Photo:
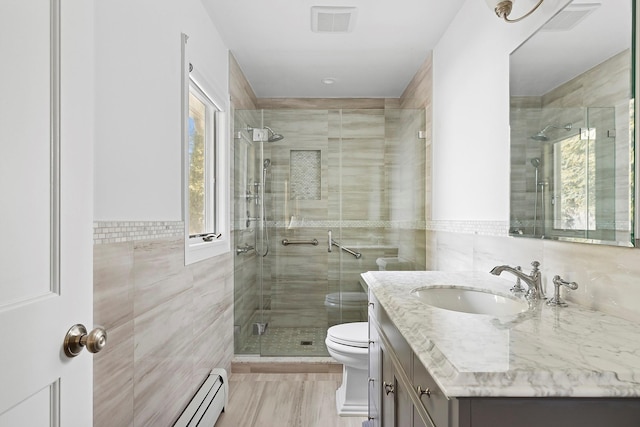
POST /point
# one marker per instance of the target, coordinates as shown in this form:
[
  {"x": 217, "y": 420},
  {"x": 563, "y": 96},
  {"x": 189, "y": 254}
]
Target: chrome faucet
[{"x": 532, "y": 280}]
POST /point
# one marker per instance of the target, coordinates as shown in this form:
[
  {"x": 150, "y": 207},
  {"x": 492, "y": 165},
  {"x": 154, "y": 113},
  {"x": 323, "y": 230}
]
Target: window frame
[{"x": 217, "y": 242}]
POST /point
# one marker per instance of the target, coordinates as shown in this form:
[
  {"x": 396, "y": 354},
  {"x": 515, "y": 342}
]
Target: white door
[{"x": 46, "y": 197}]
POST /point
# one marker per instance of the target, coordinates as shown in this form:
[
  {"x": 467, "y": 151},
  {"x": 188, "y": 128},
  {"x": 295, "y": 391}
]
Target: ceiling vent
[
  {"x": 570, "y": 16},
  {"x": 325, "y": 19}
]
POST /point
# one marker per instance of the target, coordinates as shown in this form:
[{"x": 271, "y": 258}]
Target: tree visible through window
[
  {"x": 575, "y": 178},
  {"x": 201, "y": 151},
  {"x": 197, "y": 165}
]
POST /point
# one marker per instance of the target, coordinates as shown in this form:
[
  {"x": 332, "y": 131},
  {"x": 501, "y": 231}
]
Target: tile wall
[{"x": 168, "y": 324}]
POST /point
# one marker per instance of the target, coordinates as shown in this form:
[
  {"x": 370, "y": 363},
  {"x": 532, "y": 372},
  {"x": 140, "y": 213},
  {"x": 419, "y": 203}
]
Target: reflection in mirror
[{"x": 572, "y": 127}]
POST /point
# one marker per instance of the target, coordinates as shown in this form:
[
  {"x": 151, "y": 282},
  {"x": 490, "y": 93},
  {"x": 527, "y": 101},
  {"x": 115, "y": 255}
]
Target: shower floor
[{"x": 287, "y": 342}]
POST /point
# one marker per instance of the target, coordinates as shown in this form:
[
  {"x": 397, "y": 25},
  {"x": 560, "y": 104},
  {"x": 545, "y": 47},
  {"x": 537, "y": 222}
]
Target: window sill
[{"x": 199, "y": 251}]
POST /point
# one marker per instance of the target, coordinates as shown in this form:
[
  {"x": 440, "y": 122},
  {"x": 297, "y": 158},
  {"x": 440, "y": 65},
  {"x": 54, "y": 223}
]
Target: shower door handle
[{"x": 329, "y": 241}]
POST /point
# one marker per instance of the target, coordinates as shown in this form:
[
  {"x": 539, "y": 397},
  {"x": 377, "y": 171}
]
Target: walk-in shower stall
[{"x": 320, "y": 196}]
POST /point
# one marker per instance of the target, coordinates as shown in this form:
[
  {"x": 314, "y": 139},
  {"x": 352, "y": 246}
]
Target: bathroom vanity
[{"x": 545, "y": 366}]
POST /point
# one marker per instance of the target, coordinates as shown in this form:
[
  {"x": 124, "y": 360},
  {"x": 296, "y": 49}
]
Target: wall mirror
[{"x": 572, "y": 127}]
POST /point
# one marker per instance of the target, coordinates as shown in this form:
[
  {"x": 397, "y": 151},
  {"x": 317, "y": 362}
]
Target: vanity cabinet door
[
  {"x": 375, "y": 375},
  {"x": 417, "y": 421},
  {"x": 388, "y": 401},
  {"x": 397, "y": 407},
  {"x": 403, "y": 406},
  {"x": 431, "y": 397}
]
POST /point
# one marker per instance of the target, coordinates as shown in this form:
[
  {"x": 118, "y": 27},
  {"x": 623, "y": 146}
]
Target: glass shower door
[
  {"x": 584, "y": 197},
  {"x": 355, "y": 174}
]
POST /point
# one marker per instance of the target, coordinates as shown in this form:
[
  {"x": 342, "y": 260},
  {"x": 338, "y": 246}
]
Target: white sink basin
[{"x": 472, "y": 301}]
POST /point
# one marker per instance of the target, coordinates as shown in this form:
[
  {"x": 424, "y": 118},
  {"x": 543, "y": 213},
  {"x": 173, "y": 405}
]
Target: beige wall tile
[
  {"x": 113, "y": 286},
  {"x": 155, "y": 260},
  {"x": 240, "y": 90},
  {"x": 151, "y": 367},
  {"x": 113, "y": 372}
]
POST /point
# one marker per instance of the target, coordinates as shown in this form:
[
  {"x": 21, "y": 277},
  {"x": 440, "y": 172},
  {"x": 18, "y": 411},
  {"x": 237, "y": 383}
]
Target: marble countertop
[{"x": 545, "y": 351}]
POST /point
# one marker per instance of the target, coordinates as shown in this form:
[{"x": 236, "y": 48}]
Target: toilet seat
[{"x": 350, "y": 334}]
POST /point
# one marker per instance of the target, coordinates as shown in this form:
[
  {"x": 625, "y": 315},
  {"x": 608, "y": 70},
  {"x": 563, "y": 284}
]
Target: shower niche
[
  {"x": 572, "y": 129},
  {"x": 306, "y": 174}
]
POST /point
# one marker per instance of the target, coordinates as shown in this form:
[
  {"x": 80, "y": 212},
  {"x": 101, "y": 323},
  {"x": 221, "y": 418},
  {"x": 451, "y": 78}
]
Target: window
[
  {"x": 205, "y": 196},
  {"x": 575, "y": 175},
  {"x": 202, "y": 166}
]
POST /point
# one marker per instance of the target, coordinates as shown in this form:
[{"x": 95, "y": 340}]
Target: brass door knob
[{"x": 77, "y": 338}]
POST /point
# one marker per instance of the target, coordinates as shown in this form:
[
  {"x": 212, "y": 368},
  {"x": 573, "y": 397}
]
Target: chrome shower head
[
  {"x": 542, "y": 135},
  {"x": 266, "y": 163},
  {"x": 258, "y": 134},
  {"x": 535, "y": 162},
  {"x": 273, "y": 137}
]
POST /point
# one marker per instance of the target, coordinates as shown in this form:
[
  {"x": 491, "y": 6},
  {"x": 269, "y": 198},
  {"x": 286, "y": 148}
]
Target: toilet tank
[{"x": 394, "y": 264}]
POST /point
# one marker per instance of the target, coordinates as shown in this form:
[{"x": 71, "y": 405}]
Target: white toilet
[{"x": 348, "y": 344}]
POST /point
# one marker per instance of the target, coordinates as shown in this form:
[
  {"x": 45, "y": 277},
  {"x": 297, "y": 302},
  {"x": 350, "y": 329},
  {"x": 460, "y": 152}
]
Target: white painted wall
[
  {"x": 471, "y": 112},
  {"x": 138, "y": 146}
]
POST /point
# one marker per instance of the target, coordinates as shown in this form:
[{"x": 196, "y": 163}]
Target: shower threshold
[{"x": 286, "y": 342}]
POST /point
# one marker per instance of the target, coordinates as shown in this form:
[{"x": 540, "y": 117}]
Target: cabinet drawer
[{"x": 435, "y": 402}]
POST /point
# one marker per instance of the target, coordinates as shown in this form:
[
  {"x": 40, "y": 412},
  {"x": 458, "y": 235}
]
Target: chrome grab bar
[
  {"x": 358, "y": 255},
  {"x": 287, "y": 242},
  {"x": 244, "y": 249}
]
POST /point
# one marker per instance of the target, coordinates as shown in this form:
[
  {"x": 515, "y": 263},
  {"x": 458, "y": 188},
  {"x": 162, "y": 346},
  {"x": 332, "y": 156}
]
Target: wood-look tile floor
[{"x": 284, "y": 400}]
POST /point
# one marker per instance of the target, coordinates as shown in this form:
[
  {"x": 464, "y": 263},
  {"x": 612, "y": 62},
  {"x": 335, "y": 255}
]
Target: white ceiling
[{"x": 281, "y": 57}]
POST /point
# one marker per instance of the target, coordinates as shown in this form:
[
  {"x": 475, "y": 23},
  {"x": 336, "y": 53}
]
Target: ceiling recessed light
[{"x": 328, "y": 80}]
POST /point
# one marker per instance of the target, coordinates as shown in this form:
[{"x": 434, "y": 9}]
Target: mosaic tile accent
[
  {"x": 131, "y": 231},
  {"x": 305, "y": 174},
  {"x": 310, "y": 223},
  {"x": 486, "y": 228}
]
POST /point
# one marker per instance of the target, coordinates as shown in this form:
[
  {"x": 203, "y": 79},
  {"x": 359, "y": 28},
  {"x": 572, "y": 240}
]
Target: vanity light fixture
[{"x": 502, "y": 8}]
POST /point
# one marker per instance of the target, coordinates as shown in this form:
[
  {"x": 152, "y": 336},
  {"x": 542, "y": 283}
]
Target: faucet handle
[
  {"x": 517, "y": 288},
  {"x": 556, "y": 301},
  {"x": 535, "y": 265}
]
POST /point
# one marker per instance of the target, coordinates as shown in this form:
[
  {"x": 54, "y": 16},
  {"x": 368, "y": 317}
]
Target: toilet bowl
[{"x": 348, "y": 344}]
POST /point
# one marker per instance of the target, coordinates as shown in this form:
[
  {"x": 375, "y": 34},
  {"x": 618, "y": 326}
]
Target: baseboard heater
[{"x": 208, "y": 403}]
